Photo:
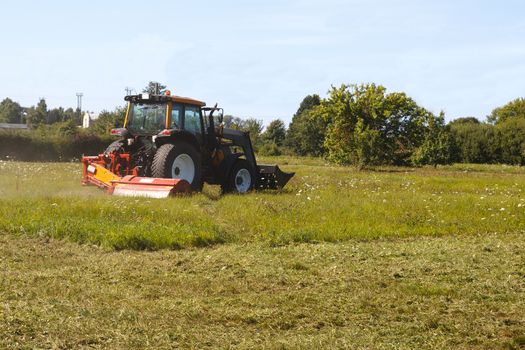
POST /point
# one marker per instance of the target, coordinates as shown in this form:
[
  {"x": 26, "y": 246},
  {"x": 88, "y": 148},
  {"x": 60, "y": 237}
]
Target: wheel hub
[
  {"x": 183, "y": 168},
  {"x": 243, "y": 180}
]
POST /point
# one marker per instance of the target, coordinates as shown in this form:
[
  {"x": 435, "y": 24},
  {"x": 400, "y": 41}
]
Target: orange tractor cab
[{"x": 171, "y": 144}]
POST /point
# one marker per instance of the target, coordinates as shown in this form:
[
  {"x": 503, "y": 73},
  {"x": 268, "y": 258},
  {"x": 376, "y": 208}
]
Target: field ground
[
  {"x": 321, "y": 203},
  {"x": 393, "y": 258}
]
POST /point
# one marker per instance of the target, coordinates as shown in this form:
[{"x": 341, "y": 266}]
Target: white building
[{"x": 88, "y": 118}]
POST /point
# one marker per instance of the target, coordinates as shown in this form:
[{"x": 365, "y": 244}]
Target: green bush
[
  {"x": 473, "y": 142},
  {"x": 35, "y": 146},
  {"x": 368, "y": 126},
  {"x": 511, "y": 137},
  {"x": 270, "y": 149}
]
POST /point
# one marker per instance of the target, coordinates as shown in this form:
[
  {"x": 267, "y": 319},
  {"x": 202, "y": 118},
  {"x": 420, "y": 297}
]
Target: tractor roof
[
  {"x": 187, "y": 100},
  {"x": 143, "y": 98}
]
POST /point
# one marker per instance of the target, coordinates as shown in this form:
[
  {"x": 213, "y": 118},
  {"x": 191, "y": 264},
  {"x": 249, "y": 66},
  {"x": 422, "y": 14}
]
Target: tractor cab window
[
  {"x": 176, "y": 116},
  {"x": 146, "y": 118},
  {"x": 192, "y": 119}
]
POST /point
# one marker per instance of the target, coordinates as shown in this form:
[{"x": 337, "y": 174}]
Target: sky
[{"x": 261, "y": 58}]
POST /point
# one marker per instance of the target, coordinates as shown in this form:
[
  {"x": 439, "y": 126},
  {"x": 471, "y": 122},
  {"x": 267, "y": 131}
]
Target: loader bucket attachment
[{"x": 271, "y": 177}]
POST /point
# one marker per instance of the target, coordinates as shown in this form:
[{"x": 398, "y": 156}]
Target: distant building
[
  {"x": 11, "y": 126},
  {"x": 88, "y": 118}
]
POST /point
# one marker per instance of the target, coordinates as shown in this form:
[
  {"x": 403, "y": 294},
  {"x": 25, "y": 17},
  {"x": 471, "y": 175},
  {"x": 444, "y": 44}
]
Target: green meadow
[
  {"x": 322, "y": 203},
  {"x": 381, "y": 258}
]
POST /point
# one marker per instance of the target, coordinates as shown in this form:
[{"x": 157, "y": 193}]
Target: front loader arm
[{"x": 267, "y": 176}]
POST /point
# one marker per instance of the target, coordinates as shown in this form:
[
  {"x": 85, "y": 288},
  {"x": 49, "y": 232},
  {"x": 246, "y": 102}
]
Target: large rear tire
[
  {"x": 241, "y": 178},
  {"x": 178, "y": 160},
  {"x": 115, "y": 146}
]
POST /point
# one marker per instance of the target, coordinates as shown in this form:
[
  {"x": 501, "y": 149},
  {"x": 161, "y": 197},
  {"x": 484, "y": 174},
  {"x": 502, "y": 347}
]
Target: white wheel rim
[
  {"x": 243, "y": 180},
  {"x": 183, "y": 168}
]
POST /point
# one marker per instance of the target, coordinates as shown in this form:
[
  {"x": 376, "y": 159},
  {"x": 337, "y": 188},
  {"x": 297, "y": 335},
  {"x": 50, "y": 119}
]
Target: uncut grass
[{"x": 321, "y": 203}]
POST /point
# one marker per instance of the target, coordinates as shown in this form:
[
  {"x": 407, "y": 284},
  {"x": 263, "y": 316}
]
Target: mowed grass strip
[
  {"x": 321, "y": 203},
  {"x": 450, "y": 292}
]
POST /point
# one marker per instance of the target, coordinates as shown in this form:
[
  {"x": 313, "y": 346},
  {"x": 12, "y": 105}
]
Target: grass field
[
  {"x": 389, "y": 258},
  {"x": 321, "y": 203}
]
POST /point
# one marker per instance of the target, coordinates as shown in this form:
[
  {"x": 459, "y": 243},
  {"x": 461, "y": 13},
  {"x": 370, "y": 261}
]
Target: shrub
[
  {"x": 270, "y": 149},
  {"x": 34, "y": 146}
]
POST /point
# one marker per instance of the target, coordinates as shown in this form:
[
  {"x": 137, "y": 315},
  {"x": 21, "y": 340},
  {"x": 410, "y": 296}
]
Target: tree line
[
  {"x": 365, "y": 125},
  {"x": 357, "y": 125}
]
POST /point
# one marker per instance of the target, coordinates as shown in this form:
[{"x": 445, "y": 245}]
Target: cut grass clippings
[{"x": 451, "y": 292}]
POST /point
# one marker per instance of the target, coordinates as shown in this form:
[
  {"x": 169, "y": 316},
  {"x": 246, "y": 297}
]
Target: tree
[
  {"x": 473, "y": 142},
  {"x": 464, "y": 121},
  {"x": 436, "y": 146},
  {"x": 308, "y": 103},
  {"x": 55, "y": 115},
  {"x": 154, "y": 87},
  {"x": 254, "y": 127},
  {"x": 71, "y": 114},
  {"x": 37, "y": 116},
  {"x": 513, "y": 109},
  {"x": 67, "y": 127},
  {"x": 232, "y": 122},
  {"x": 10, "y": 111},
  {"x": 510, "y": 134},
  {"x": 367, "y": 126},
  {"x": 275, "y": 132},
  {"x": 108, "y": 120},
  {"x": 306, "y": 132}
]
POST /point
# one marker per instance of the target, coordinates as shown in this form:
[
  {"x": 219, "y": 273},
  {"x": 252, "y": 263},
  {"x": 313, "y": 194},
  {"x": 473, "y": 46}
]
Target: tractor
[{"x": 173, "y": 137}]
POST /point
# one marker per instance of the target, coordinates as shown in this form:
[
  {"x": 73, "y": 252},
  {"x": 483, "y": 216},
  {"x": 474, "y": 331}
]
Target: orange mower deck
[{"x": 96, "y": 173}]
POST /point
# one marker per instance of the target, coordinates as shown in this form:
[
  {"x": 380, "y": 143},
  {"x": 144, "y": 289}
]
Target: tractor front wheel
[
  {"x": 241, "y": 179},
  {"x": 178, "y": 160}
]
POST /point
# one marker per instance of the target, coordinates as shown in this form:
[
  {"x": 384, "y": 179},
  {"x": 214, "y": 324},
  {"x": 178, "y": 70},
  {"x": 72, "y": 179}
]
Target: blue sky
[{"x": 260, "y": 58}]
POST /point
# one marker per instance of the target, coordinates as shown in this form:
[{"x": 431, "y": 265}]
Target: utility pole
[
  {"x": 79, "y": 101},
  {"x": 79, "y": 107}
]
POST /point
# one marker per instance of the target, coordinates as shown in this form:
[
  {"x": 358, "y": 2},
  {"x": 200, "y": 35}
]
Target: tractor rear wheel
[
  {"x": 178, "y": 160},
  {"x": 241, "y": 179},
  {"x": 115, "y": 146}
]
